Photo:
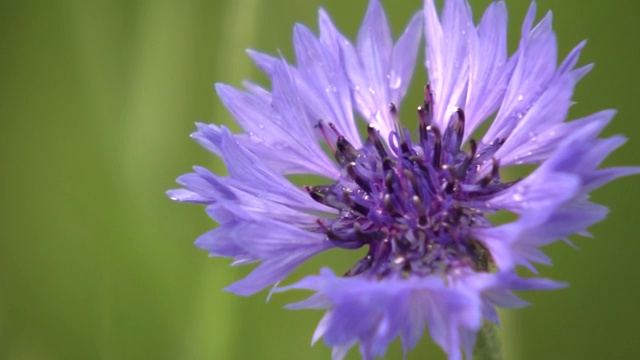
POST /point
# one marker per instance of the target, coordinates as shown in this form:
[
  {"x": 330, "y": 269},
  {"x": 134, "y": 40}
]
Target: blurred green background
[{"x": 97, "y": 102}]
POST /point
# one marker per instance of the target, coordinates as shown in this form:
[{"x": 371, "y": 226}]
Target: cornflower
[{"x": 416, "y": 200}]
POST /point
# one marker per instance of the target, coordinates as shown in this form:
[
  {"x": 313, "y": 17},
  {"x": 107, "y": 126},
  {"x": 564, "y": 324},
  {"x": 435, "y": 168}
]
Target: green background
[{"x": 97, "y": 100}]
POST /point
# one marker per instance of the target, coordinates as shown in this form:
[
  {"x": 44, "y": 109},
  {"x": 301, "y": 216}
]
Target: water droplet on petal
[
  {"x": 330, "y": 89},
  {"x": 394, "y": 80},
  {"x": 520, "y": 97}
]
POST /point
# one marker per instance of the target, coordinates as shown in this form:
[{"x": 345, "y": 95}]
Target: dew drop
[
  {"x": 394, "y": 80},
  {"x": 261, "y": 126},
  {"x": 330, "y": 89},
  {"x": 520, "y": 97}
]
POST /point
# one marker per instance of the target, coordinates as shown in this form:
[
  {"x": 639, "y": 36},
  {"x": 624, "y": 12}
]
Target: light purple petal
[
  {"x": 535, "y": 68},
  {"x": 265, "y": 62},
  {"x": 489, "y": 70},
  {"x": 541, "y": 145},
  {"x": 324, "y": 84},
  {"x": 379, "y": 72},
  {"x": 283, "y": 137},
  {"x": 280, "y": 246},
  {"x": 448, "y": 65},
  {"x": 184, "y": 195},
  {"x": 250, "y": 175},
  {"x": 403, "y": 60}
]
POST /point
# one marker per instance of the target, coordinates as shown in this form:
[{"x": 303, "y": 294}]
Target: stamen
[
  {"x": 454, "y": 133},
  {"x": 428, "y": 103},
  {"x": 373, "y": 137},
  {"x": 335, "y": 129},
  {"x": 325, "y": 135},
  {"x": 325, "y": 195},
  {"x": 437, "y": 145},
  {"x": 363, "y": 265},
  {"x": 345, "y": 152},
  {"x": 422, "y": 214},
  {"x": 412, "y": 180},
  {"x": 361, "y": 181},
  {"x": 495, "y": 174},
  {"x": 393, "y": 110},
  {"x": 423, "y": 123},
  {"x": 463, "y": 168}
]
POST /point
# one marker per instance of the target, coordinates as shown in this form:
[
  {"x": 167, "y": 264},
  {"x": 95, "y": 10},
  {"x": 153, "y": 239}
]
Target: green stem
[{"x": 487, "y": 343}]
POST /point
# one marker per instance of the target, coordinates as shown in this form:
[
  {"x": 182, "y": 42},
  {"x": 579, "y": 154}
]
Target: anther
[
  {"x": 495, "y": 168},
  {"x": 367, "y": 237},
  {"x": 495, "y": 173},
  {"x": 388, "y": 181},
  {"x": 362, "y": 182},
  {"x": 451, "y": 183},
  {"x": 428, "y": 103},
  {"x": 325, "y": 135},
  {"x": 473, "y": 148},
  {"x": 387, "y": 164},
  {"x": 354, "y": 205},
  {"x": 412, "y": 180},
  {"x": 324, "y": 195},
  {"x": 454, "y": 133},
  {"x": 422, "y": 214},
  {"x": 335, "y": 129},
  {"x": 463, "y": 168},
  {"x": 437, "y": 145},
  {"x": 373, "y": 137},
  {"x": 393, "y": 110},
  {"x": 363, "y": 265},
  {"x": 345, "y": 152},
  {"x": 423, "y": 123},
  {"x": 387, "y": 204},
  {"x": 404, "y": 146}
]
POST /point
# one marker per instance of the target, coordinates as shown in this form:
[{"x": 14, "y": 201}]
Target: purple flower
[{"x": 417, "y": 200}]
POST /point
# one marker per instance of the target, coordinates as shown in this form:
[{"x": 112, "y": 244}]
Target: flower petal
[
  {"x": 448, "y": 56},
  {"x": 489, "y": 70}
]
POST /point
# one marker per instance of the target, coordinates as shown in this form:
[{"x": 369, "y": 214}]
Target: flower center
[{"x": 412, "y": 204}]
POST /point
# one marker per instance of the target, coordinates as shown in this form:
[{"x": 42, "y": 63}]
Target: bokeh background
[{"x": 97, "y": 100}]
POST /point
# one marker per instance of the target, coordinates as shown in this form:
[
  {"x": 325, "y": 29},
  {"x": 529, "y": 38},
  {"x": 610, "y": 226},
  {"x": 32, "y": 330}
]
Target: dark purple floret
[{"x": 411, "y": 203}]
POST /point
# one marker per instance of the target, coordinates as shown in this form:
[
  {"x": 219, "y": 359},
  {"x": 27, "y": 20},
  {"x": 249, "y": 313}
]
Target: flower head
[{"x": 417, "y": 199}]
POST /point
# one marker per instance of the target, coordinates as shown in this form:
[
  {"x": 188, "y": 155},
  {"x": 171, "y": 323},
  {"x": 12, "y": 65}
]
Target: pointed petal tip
[
  {"x": 174, "y": 194},
  {"x": 237, "y": 288}
]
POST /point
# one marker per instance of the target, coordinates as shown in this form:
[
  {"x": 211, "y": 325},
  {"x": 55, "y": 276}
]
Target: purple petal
[
  {"x": 489, "y": 70},
  {"x": 282, "y": 248},
  {"x": 403, "y": 60},
  {"x": 536, "y": 66},
  {"x": 448, "y": 66},
  {"x": 251, "y": 176},
  {"x": 325, "y": 86}
]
